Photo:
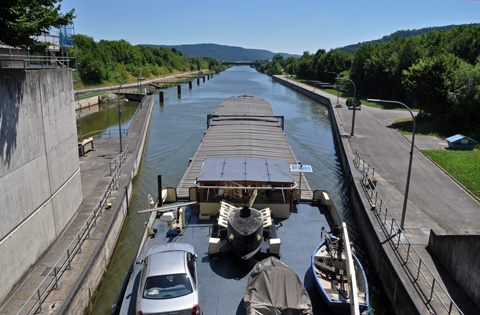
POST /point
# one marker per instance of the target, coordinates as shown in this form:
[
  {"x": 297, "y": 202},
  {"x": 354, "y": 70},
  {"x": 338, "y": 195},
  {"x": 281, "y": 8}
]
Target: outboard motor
[{"x": 245, "y": 231}]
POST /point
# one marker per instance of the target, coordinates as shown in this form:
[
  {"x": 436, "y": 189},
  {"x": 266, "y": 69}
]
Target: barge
[{"x": 243, "y": 198}]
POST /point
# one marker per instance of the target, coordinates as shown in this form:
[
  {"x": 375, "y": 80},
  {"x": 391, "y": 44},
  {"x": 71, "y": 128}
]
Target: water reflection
[{"x": 104, "y": 117}]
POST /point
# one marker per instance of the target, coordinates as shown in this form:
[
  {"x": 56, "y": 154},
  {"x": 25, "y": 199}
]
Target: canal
[
  {"x": 101, "y": 120},
  {"x": 176, "y": 129}
]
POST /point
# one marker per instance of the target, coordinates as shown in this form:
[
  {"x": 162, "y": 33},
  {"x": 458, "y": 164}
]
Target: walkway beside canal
[
  {"x": 87, "y": 267},
  {"x": 436, "y": 202}
]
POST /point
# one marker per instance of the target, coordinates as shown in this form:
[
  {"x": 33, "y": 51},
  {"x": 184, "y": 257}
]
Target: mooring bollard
[
  {"x": 203, "y": 78},
  {"x": 179, "y": 91},
  {"x": 160, "y": 95},
  {"x": 190, "y": 84},
  {"x": 198, "y": 81}
]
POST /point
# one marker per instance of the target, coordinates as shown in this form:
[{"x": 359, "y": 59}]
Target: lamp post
[
  {"x": 120, "y": 112},
  {"x": 354, "y": 96},
  {"x": 404, "y": 210},
  {"x": 338, "y": 87}
]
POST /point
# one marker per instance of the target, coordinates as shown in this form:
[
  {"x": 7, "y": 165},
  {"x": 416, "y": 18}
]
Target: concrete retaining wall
[
  {"x": 460, "y": 254},
  {"x": 78, "y": 300},
  {"x": 398, "y": 294},
  {"x": 86, "y": 102},
  {"x": 39, "y": 159}
]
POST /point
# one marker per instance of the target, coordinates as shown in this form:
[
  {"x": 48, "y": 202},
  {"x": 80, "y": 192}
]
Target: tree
[
  {"x": 22, "y": 20},
  {"x": 429, "y": 80}
]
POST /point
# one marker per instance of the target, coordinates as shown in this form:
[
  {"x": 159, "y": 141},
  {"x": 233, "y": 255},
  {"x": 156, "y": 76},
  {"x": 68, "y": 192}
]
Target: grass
[
  {"x": 422, "y": 127},
  {"x": 464, "y": 166},
  {"x": 87, "y": 95}
]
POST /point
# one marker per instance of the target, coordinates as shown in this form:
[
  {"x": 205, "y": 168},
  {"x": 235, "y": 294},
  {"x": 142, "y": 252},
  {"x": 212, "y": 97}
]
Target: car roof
[
  {"x": 167, "y": 262},
  {"x": 170, "y": 246}
]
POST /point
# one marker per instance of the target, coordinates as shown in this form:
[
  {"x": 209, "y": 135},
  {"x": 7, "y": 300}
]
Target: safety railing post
[
  {"x": 408, "y": 252},
  {"x": 55, "y": 277},
  {"x": 39, "y": 302},
  {"x": 433, "y": 289},
  {"x": 69, "y": 267}
]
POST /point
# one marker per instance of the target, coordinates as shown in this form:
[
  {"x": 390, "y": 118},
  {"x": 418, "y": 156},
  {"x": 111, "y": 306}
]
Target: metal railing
[
  {"x": 34, "y": 62},
  {"x": 414, "y": 266},
  {"x": 118, "y": 161},
  {"x": 35, "y": 301}
]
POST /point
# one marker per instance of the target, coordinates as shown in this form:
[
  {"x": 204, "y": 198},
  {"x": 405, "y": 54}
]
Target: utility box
[{"x": 461, "y": 142}]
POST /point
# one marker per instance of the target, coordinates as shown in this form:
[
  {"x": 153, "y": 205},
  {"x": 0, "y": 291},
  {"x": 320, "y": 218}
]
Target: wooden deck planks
[{"x": 260, "y": 137}]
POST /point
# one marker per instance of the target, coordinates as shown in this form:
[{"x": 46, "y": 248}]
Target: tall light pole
[
  {"x": 354, "y": 106},
  {"x": 120, "y": 112},
  {"x": 338, "y": 87},
  {"x": 404, "y": 210}
]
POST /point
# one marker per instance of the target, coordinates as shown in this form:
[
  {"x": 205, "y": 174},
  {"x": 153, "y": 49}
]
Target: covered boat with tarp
[{"x": 273, "y": 288}]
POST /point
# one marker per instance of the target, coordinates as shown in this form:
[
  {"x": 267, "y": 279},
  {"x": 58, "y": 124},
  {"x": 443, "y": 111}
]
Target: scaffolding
[{"x": 56, "y": 56}]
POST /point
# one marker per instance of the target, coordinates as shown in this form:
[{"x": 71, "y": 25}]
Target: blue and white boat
[{"x": 339, "y": 276}]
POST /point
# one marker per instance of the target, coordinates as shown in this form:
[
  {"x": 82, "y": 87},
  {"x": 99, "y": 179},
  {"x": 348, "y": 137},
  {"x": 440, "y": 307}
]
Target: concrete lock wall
[
  {"x": 39, "y": 167},
  {"x": 460, "y": 254}
]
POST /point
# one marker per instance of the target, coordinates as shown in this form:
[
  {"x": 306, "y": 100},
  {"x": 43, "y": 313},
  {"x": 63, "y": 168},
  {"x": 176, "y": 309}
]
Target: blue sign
[{"x": 301, "y": 168}]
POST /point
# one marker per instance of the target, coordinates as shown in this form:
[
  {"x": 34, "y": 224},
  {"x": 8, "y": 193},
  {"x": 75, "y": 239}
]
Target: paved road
[{"x": 435, "y": 201}]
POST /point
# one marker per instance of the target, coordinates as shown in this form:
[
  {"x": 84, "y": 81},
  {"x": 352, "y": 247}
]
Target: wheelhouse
[{"x": 236, "y": 180}]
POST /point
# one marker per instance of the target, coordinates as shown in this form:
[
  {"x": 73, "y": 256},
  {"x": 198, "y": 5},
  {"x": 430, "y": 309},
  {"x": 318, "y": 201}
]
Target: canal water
[
  {"x": 101, "y": 120},
  {"x": 177, "y": 127}
]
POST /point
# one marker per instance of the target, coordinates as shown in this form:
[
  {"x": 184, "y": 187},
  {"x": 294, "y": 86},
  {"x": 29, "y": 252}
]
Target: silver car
[{"x": 169, "y": 281}]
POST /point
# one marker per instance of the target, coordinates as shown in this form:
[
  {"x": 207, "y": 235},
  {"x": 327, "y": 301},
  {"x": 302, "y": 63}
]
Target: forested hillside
[
  {"x": 225, "y": 53},
  {"x": 437, "y": 72},
  {"x": 402, "y": 33},
  {"x": 115, "y": 61}
]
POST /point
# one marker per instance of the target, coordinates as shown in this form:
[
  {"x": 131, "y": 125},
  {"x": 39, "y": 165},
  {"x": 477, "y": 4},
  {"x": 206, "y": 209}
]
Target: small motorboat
[
  {"x": 334, "y": 277},
  {"x": 275, "y": 289}
]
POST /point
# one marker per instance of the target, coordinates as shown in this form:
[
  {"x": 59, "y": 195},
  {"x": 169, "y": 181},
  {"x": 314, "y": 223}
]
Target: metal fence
[
  {"x": 34, "y": 303},
  {"x": 430, "y": 290},
  {"x": 34, "y": 62}
]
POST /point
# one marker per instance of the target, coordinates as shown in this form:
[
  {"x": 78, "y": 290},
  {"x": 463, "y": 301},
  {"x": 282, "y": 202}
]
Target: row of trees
[
  {"x": 115, "y": 61},
  {"x": 437, "y": 72}
]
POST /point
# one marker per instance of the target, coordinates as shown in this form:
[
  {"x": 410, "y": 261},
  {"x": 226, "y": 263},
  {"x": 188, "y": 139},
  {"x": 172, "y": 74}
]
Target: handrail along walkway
[
  {"x": 75, "y": 246},
  {"x": 399, "y": 241}
]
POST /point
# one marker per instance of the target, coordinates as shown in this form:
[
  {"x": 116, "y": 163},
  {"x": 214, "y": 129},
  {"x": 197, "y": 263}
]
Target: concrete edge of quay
[
  {"x": 397, "y": 288},
  {"x": 88, "y": 284}
]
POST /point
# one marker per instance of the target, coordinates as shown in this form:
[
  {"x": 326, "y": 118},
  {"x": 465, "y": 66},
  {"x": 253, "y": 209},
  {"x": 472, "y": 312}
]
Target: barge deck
[{"x": 243, "y": 127}]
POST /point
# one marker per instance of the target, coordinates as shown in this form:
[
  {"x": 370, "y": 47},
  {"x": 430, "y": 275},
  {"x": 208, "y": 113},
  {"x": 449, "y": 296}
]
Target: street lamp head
[{"x": 374, "y": 100}]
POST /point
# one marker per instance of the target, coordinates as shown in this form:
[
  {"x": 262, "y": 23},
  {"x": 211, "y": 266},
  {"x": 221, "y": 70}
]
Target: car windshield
[{"x": 167, "y": 286}]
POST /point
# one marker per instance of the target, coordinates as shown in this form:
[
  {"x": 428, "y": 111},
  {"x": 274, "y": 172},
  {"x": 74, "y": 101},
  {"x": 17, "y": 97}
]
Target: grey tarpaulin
[{"x": 273, "y": 288}]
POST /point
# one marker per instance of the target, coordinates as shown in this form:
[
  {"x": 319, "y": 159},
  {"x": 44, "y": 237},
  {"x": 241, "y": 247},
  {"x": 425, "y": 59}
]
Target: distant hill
[
  {"x": 223, "y": 52},
  {"x": 403, "y": 33}
]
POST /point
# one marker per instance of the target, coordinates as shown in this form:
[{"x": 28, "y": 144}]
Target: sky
[{"x": 276, "y": 25}]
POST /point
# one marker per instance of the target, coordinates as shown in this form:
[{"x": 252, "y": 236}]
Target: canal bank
[
  {"x": 94, "y": 100},
  {"x": 73, "y": 267},
  {"x": 408, "y": 264}
]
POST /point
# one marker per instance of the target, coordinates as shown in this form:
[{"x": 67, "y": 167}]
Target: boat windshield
[{"x": 167, "y": 286}]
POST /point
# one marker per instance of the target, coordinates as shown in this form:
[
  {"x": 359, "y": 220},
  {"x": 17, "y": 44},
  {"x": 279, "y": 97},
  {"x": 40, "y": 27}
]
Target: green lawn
[
  {"x": 422, "y": 127},
  {"x": 464, "y": 166},
  {"x": 87, "y": 95}
]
